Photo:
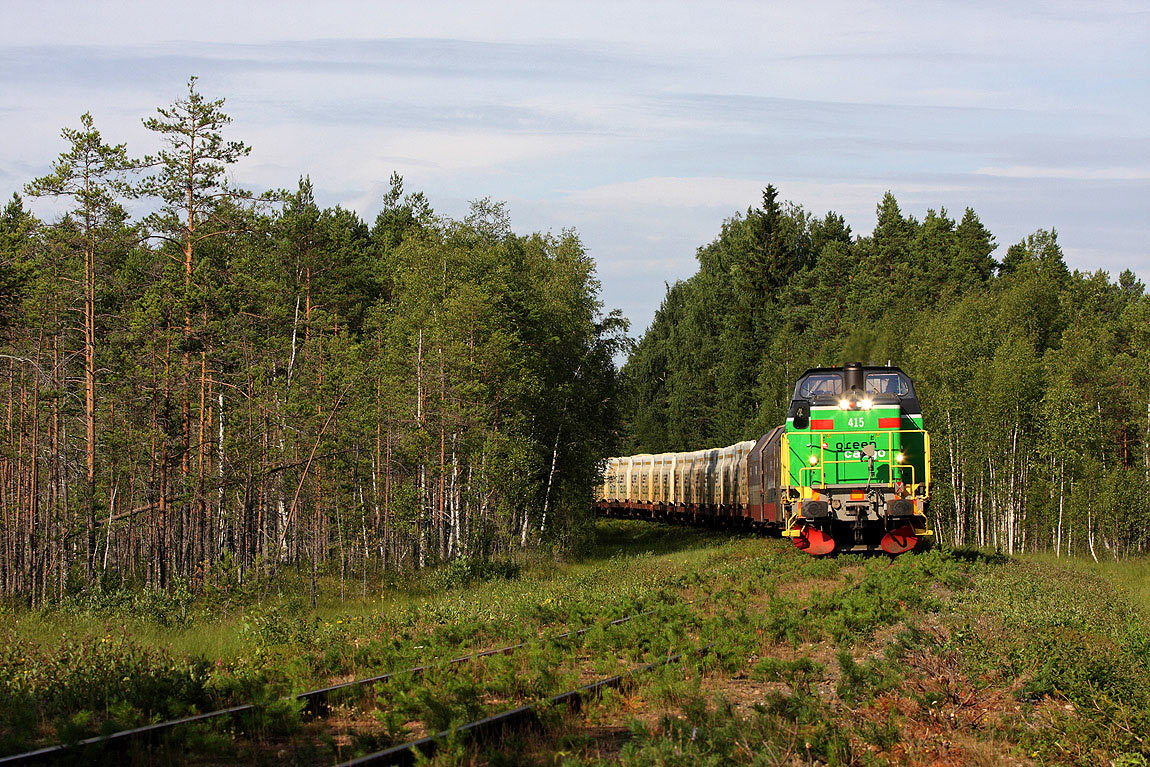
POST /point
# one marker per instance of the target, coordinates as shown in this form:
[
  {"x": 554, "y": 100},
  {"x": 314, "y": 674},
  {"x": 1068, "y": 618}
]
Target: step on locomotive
[{"x": 848, "y": 471}]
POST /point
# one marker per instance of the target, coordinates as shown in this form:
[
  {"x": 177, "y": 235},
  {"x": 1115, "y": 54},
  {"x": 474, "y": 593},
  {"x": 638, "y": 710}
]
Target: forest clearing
[
  {"x": 948, "y": 657},
  {"x": 236, "y": 383},
  {"x": 351, "y": 470}
]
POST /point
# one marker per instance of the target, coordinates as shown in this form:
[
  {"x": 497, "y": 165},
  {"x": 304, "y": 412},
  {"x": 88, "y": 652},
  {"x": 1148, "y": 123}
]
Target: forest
[
  {"x": 229, "y": 383},
  {"x": 1034, "y": 380},
  {"x": 232, "y": 383}
]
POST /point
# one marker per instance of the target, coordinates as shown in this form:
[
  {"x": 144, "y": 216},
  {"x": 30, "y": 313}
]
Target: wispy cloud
[
  {"x": 642, "y": 125},
  {"x": 1076, "y": 174},
  {"x": 459, "y": 59}
]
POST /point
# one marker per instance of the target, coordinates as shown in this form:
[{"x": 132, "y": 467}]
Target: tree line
[
  {"x": 233, "y": 383},
  {"x": 1034, "y": 380}
]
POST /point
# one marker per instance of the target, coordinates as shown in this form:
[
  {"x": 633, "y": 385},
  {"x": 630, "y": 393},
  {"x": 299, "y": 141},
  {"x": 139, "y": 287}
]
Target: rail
[
  {"x": 408, "y": 753},
  {"x": 312, "y": 699}
]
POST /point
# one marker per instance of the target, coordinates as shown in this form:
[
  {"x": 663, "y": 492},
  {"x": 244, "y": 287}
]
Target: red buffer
[
  {"x": 814, "y": 541},
  {"x": 899, "y": 540}
]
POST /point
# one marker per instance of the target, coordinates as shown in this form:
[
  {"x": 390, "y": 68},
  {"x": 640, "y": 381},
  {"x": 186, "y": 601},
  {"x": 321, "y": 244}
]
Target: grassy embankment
[{"x": 947, "y": 657}]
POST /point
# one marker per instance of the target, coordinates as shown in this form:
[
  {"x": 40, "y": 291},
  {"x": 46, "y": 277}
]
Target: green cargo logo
[{"x": 854, "y": 449}]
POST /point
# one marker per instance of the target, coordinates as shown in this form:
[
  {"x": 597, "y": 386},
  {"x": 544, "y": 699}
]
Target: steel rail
[
  {"x": 121, "y": 737},
  {"x": 405, "y": 754},
  {"x": 323, "y": 692},
  {"x": 313, "y": 699}
]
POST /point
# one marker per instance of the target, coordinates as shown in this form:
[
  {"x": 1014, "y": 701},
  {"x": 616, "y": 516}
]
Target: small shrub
[{"x": 467, "y": 571}]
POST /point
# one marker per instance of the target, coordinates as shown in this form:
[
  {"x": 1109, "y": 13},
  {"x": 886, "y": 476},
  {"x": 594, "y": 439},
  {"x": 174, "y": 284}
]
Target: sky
[{"x": 642, "y": 125}]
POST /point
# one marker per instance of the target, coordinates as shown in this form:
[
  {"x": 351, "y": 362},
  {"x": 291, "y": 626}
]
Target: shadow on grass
[
  {"x": 632, "y": 538},
  {"x": 978, "y": 556}
]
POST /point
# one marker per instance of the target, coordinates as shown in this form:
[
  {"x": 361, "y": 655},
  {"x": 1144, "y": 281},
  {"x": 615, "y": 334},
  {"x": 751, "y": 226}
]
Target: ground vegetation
[{"x": 954, "y": 657}]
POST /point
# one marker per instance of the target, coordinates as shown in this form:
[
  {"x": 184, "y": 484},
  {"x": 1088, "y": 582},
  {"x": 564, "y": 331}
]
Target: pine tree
[
  {"x": 189, "y": 179},
  {"x": 92, "y": 174}
]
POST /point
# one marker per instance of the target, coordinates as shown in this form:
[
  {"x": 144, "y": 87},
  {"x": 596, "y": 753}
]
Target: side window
[{"x": 821, "y": 383}]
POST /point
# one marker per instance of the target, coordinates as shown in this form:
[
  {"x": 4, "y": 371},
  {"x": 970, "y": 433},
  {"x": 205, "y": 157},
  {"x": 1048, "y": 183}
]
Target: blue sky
[{"x": 642, "y": 125}]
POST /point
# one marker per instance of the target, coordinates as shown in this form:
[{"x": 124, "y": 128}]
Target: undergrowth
[
  {"x": 843, "y": 660},
  {"x": 1072, "y": 645},
  {"x": 75, "y": 671}
]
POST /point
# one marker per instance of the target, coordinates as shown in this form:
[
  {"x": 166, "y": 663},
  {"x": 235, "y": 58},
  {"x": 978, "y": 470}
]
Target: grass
[
  {"x": 64, "y": 670},
  {"x": 220, "y": 628},
  {"x": 1132, "y": 575},
  {"x": 952, "y": 656},
  {"x": 1071, "y": 643}
]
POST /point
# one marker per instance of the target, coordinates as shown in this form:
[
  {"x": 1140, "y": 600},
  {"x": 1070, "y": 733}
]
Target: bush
[{"x": 467, "y": 570}]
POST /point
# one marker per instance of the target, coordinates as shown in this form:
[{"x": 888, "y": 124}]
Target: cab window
[
  {"x": 887, "y": 383},
  {"x": 820, "y": 384}
]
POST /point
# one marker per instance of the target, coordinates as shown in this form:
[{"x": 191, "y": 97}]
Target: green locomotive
[
  {"x": 856, "y": 461},
  {"x": 850, "y": 470}
]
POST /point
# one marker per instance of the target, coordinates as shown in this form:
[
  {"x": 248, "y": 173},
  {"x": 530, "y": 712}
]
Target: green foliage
[
  {"x": 18, "y": 241},
  {"x": 466, "y": 571},
  {"x": 1032, "y": 379},
  {"x": 1042, "y": 637},
  {"x": 280, "y": 645},
  {"x": 282, "y": 384},
  {"x": 69, "y": 682}
]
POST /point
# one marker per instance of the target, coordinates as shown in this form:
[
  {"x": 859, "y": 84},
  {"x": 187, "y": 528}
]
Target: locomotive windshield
[
  {"x": 887, "y": 383},
  {"x": 821, "y": 383},
  {"x": 853, "y": 381}
]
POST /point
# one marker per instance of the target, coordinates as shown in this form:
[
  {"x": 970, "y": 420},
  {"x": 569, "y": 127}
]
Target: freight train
[{"x": 848, "y": 471}]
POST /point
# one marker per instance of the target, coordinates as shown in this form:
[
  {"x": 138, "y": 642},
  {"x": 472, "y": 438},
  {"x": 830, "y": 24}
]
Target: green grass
[
  {"x": 852, "y": 660},
  {"x": 64, "y": 668},
  {"x": 1132, "y": 575},
  {"x": 1039, "y": 661},
  {"x": 218, "y": 627},
  {"x": 1071, "y": 640}
]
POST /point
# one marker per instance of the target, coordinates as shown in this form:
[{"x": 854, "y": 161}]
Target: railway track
[
  {"x": 494, "y": 725},
  {"x": 406, "y": 753},
  {"x": 314, "y": 701}
]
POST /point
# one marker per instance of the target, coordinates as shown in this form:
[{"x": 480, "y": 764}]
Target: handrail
[{"x": 888, "y": 460}]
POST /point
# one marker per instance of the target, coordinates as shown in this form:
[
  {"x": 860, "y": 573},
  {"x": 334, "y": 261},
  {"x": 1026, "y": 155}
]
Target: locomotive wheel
[
  {"x": 899, "y": 540},
  {"x": 814, "y": 541}
]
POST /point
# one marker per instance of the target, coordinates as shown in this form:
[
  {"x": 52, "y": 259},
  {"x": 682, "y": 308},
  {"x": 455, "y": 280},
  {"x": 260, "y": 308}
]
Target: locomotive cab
[{"x": 856, "y": 461}]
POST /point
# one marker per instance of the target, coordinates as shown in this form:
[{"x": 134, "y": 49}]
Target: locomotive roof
[
  {"x": 865, "y": 369},
  {"x": 907, "y": 398}
]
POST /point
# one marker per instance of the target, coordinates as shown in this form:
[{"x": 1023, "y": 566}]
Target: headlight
[
  {"x": 900, "y": 458},
  {"x": 814, "y": 459},
  {"x": 865, "y": 404},
  {"x": 845, "y": 404}
]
